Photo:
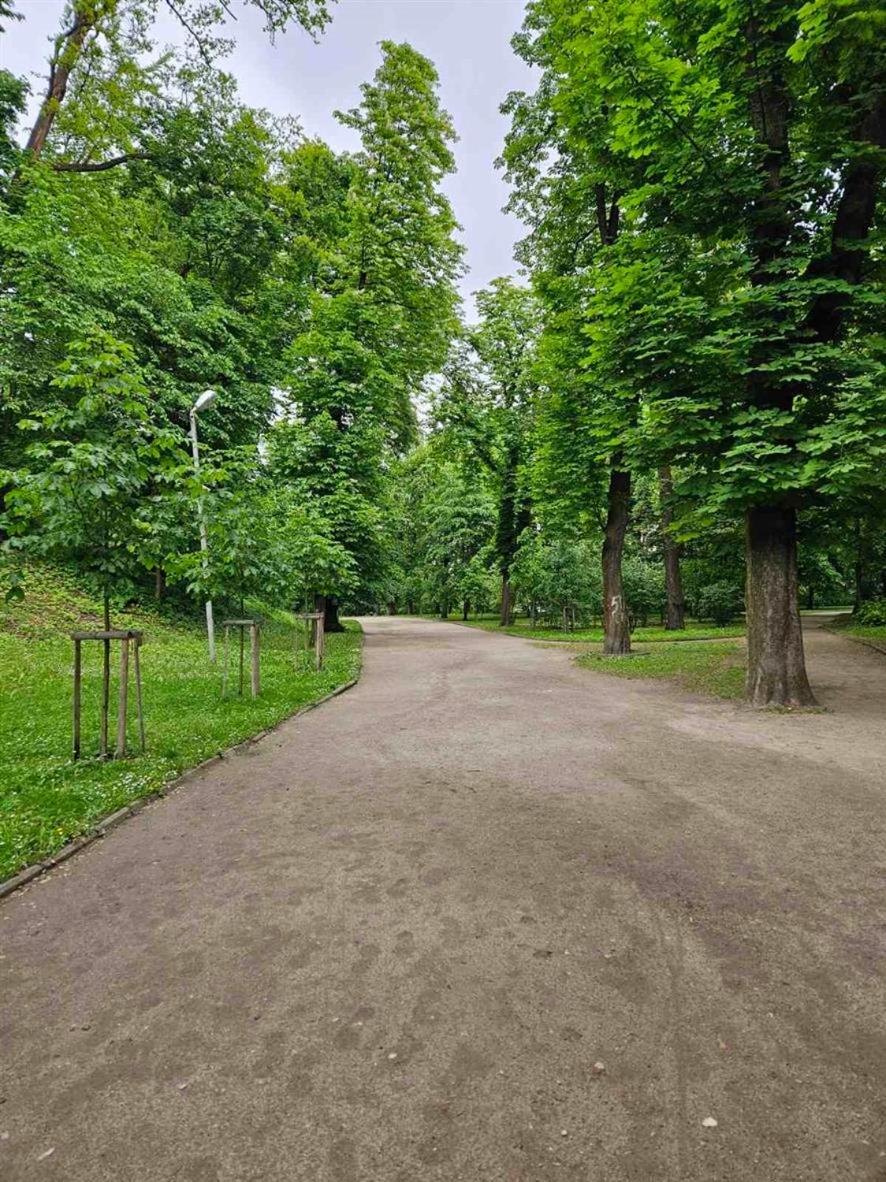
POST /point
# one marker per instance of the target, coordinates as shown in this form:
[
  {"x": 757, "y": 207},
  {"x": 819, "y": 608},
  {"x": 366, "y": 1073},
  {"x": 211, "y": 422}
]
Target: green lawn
[
  {"x": 864, "y": 631},
  {"x": 45, "y": 799},
  {"x": 694, "y": 631},
  {"x": 715, "y": 668}
]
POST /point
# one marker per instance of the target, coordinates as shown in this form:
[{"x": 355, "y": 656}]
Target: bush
[
  {"x": 719, "y": 602},
  {"x": 872, "y": 612},
  {"x": 644, "y": 589}
]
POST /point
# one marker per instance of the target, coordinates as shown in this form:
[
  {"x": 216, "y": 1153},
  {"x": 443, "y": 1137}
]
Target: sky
[{"x": 468, "y": 41}]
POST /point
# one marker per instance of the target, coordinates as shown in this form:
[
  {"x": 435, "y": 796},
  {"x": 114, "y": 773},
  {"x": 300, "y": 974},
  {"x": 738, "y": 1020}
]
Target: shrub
[
  {"x": 644, "y": 589},
  {"x": 719, "y": 602},
  {"x": 872, "y": 612}
]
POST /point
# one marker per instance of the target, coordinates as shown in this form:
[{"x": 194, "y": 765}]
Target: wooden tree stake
[
  {"x": 122, "y": 700},
  {"x": 78, "y": 674},
  {"x": 138, "y": 695},
  {"x": 253, "y": 646}
]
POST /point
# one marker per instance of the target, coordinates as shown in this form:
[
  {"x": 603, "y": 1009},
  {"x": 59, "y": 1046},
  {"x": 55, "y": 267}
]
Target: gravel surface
[{"x": 488, "y": 916}]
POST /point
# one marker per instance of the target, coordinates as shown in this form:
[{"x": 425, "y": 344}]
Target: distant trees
[{"x": 486, "y": 403}]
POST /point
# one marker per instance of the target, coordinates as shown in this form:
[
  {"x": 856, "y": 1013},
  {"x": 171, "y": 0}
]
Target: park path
[{"x": 487, "y": 917}]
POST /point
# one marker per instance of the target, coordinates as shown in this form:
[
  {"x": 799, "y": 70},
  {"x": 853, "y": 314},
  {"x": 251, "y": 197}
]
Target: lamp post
[{"x": 206, "y": 399}]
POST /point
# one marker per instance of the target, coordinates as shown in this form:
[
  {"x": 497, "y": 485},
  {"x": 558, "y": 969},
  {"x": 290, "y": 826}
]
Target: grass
[
  {"x": 865, "y": 631},
  {"x": 45, "y": 799},
  {"x": 716, "y": 668},
  {"x": 695, "y": 630}
]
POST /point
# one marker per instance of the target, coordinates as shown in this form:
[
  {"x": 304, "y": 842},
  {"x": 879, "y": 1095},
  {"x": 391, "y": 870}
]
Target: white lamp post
[{"x": 206, "y": 399}]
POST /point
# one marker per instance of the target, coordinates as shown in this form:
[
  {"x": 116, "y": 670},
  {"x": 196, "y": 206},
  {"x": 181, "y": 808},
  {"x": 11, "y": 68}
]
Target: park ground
[
  {"x": 489, "y": 916},
  {"x": 45, "y": 799}
]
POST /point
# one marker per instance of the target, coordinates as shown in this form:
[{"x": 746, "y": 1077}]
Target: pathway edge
[{"x": 10, "y": 885}]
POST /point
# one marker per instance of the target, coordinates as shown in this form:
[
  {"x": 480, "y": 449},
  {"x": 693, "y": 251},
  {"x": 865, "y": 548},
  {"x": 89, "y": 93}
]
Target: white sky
[{"x": 468, "y": 41}]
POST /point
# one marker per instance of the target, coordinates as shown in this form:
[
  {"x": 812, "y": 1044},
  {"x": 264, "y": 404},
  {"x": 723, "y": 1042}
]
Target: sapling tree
[{"x": 93, "y": 478}]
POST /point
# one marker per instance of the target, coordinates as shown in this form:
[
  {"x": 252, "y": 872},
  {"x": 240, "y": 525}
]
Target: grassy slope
[{"x": 45, "y": 799}]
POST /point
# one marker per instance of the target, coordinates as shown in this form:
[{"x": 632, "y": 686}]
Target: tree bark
[
  {"x": 68, "y": 47},
  {"x": 616, "y": 626},
  {"x": 776, "y": 665},
  {"x": 465, "y": 609},
  {"x": 675, "y": 612}
]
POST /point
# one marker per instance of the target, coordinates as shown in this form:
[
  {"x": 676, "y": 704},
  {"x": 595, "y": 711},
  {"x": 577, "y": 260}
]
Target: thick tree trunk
[
  {"x": 776, "y": 665},
  {"x": 465, "y": 609},
  {"x": 675, "y": 612},
  {"x": 331, "y": 622},
  {"x": 159, "y": 583},
  {"x": 616, "y": 626}
]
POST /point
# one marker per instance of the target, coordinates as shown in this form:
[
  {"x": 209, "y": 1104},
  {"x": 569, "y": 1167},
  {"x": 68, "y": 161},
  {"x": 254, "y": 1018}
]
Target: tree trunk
[
  {"x": 675, "y": 613},
  {"x": 159, "y": 583},
  {"x": 776, "y": 666},
  {"x": 465, "y": 609},
  {"x": 505, "y": 618},
  {"x": 329, "y": 607},
  {"x": 68, "y": 47},
  {"x": 616, "y": 627}
]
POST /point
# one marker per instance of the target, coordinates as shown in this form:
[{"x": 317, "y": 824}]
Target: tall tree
[
  {"x": 487, "y": 399},
  {"x": 383, "y": 306},
  {"x": 755, "y": 136}
]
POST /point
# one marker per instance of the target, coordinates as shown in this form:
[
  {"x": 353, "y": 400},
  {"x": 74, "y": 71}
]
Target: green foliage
[
  {"x": 262, "y": 541},
  {"x": 377, "y": 239},
  {"x": 97, "y": 471},
  {"x": 720, "y": 602},
  {"x": 485, "y": 403},
  {"x": 872, "y": 612}
]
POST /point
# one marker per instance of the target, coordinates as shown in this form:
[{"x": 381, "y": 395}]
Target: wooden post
[
  {"x": 106, "y": 679},
  {"x": 242, "y": 644},
  {"x": 318, "y": 642},
  {"x": 122, "y": 700},
  {"x": 253, "y": 651},
  {"x": 225, "y": 664},
  {"x": 77, "y": 682},
  {"x": 138, "y": 694}
]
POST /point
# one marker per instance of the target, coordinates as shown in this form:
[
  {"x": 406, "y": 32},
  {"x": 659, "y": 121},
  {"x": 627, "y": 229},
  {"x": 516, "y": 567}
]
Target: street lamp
[{"x": 206, "y": 399}]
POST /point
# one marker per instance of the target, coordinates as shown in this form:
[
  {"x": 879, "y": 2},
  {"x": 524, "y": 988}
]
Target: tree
[
  {"x": 487, "y": 401},
  {"x": 262, "y": 541},
  {"x": 99, "y": 53},
  {"x": 750, "y": 138},
  {"x": 382, "y": 308},
  {"x": 95, "y": 473}
]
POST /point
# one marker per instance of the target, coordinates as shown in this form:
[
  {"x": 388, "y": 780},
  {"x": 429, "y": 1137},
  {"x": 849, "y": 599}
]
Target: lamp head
[{"x": 206, "y": 399}]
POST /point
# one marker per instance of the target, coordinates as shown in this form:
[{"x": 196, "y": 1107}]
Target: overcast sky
[{"x": 468, "y": 41}]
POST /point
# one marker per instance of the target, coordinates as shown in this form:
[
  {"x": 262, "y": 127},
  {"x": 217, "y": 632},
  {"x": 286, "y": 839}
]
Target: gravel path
[{"x": 488, "y": 917}]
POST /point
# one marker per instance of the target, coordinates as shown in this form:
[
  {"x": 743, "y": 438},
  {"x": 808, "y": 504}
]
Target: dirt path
[{"x": 391, "y": 942}]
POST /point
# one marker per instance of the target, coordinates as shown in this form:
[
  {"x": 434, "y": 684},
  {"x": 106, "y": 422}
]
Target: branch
[
  {"x": 183, "y": 21},
  {"x": 100, "y": 165},
  {"x": 850, "y": 245}
]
